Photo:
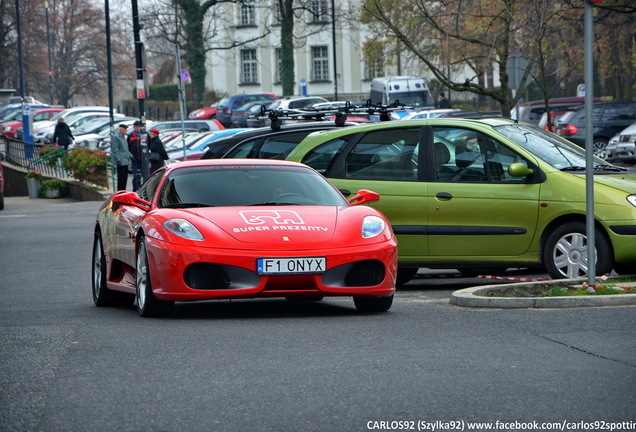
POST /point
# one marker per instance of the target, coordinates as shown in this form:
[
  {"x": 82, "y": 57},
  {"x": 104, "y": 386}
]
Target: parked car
[
  {"x": 205, "y": 113},
  {"x": 531, "y": 112},
  {"x": 427, "y": 113},
  {"x": 222, "y": 229},
  {"x": 608, "y": 118},
  {"x": 196, "y": 125},
  {"x": 482, "y": 195},
  {"x": 227, "y": 105},
  {"x": 197, "y": 144},
  {"x": 10, "y": 128},
  {"x": 241, "y": 114},
  {"x": 10, "y": 112},
  {"x": 296, "y": 102},
  {"x": 45, "y": 135},
  {"x": 622, "y": 147},
  {"x": 68, "y": 113},
  {"x": 265, "y": 143},
  {"x": 555, "y": 116}
]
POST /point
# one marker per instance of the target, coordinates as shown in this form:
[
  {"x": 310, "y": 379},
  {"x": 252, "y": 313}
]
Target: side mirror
[
  {"x": 519, "y": 170},
  {"x": 131, "y": 199},
  {"x": 364, "y": 196}
]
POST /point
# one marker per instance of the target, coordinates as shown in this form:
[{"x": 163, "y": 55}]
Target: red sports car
[{"x": 232, "y": 228}]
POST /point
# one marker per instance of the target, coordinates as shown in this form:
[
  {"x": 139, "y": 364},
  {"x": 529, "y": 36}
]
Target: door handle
[{"x": 443, "y": 196}]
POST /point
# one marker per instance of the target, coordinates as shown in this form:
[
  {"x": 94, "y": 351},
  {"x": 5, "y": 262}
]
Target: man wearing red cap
[{"x": 157, "y": 152}]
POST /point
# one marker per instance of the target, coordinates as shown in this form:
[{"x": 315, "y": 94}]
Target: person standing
[
  {"x": 134, "y": 147},
  {"x": 157, "y": 152},
  {"x": 120, "y": 156},
  {"x": 62, "y": 134},
  {"x": 443, "y": 102}
]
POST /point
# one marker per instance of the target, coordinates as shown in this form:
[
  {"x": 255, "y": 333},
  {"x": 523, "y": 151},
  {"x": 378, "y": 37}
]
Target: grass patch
[{"x": 610, "y": 286}]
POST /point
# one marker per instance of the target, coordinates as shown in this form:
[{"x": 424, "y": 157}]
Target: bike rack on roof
[{"x": 277, "y": 117}]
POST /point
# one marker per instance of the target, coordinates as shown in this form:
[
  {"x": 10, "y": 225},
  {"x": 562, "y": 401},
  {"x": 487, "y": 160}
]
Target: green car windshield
[{"x": 551, "y": 148}]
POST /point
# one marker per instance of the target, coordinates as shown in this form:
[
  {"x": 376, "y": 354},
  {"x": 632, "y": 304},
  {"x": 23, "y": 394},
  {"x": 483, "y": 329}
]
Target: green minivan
[{"x": 482, "y": 195}]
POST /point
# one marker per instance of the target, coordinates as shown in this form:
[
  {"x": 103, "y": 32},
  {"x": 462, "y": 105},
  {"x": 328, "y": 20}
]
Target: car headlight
[
  {"x": 632, "y": 200},
  {"x": 372, "y": 226},
  {"x": 183, "y": 228}
]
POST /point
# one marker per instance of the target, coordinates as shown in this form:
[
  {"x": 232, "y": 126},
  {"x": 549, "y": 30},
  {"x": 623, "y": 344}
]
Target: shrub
[
  {"x": 52, "y": 184},
  {"x": 45, "y": 152},
  {"x": 35, "y": 175},
  {"x": 83, "y": 162}
]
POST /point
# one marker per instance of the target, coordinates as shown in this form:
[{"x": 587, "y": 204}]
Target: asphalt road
[{"x": 271, "y": 365}]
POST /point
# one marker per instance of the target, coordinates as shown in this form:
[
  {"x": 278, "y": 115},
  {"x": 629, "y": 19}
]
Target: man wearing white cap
[{"x": 120, "y": 156}]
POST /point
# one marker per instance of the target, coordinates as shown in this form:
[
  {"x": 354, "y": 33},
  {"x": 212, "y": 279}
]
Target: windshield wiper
[
  {"x": 186, "y": 205},
  {"x": 272, "y": 203},
  {"x": 608, "y": 167},
  {"x": 573, "y": 168}
]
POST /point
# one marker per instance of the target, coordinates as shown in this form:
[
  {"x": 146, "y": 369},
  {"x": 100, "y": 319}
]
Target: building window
[
  {"x": 278, "y": 14},
  {"x": 319, "y": 11},
  {"x": 320, "y": 61},
  {"x": 249, "y": 66},
  {"x": 247, "y": 15},
  {"x": 278, "y": 64},
  {"x": 373, "y": 60}
]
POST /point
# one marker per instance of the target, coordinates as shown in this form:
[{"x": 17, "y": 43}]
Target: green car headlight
[{"x": 632, "y": 200}]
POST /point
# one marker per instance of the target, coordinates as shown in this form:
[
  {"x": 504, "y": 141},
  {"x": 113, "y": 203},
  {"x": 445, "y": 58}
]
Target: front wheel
[
  {"x": 147, "y": 304},
  {"x": 600, "y": 147},
  {"x": 373, "y": 304},
  {"x": 565, "y": 252}
]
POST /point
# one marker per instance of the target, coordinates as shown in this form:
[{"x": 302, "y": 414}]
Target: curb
[{"x": 468, "y": 297}]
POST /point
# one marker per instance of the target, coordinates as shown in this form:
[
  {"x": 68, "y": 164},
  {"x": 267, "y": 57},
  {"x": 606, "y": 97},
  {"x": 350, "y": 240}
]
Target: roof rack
[{"x": 277, "y": 117}]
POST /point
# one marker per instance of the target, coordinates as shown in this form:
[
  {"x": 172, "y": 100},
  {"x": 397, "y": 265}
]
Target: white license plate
[{"x": 273, "y": 266}]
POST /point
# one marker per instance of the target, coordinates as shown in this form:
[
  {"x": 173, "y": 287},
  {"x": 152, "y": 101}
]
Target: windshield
[
  {"x": 414, "y": 99},
  {"x": 248, "y": 185},
  {"x": 558, "y": 152}
]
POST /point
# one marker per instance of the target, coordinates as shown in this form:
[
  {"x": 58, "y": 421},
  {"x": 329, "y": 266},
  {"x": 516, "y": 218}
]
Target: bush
[
  {"x": 51, "y": 185},
  {"x": 83, "y": 162},
  {"x": 35, "y": 175},
  {"x": 45, "y": 152}
]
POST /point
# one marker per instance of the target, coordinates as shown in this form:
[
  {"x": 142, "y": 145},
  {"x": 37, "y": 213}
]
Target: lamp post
[{"x": 48, "y": 46}]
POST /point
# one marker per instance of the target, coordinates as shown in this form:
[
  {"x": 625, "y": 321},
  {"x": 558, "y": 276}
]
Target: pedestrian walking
[
  {"x": 62, "y": 134},
  {"x": 120, "y": 155},
  {"x": 157, "y": 152},
  {"x": 134, "y": 146},
  {"x": 443, "y": 102}
]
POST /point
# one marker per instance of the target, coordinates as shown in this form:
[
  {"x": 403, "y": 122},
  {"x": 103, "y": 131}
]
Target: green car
[{"x": 482, "y": 195}]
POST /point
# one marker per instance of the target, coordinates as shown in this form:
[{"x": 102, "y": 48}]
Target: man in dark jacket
[
  {"x": 134, "y": 146},
  {"x": 62, "y": 135}
]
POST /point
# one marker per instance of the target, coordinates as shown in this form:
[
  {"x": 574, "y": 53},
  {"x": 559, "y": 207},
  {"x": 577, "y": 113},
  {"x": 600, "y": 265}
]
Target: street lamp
[{"x": 48, "y": 46}]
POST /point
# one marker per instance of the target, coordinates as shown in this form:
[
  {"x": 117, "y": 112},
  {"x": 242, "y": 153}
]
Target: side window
[
  {"x": 321, "y": 158},
  {"x": 389, "y": 154},
  {"x": 279, "y": 146},
  {"x": 149, "y": 187},
  {"x": 464, "y": 155},
  {"x": 242, "y": 150}
]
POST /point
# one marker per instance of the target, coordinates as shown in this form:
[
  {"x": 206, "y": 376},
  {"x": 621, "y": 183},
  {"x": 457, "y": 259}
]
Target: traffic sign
[{"x": 185, "y": 75}]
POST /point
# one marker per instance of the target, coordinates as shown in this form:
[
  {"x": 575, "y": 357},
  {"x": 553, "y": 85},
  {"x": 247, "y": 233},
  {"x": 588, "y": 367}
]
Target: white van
[{"x": 407, "y": 90}]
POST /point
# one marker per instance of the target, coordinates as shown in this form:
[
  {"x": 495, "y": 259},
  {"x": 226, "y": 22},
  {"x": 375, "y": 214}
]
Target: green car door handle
[{"x": 444, "y": 196}]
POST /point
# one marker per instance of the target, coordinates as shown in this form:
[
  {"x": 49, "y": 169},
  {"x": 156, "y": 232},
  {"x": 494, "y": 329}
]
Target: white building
[{"x": 255, "y": 66}]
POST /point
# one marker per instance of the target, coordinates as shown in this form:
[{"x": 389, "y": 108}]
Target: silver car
[{"x": 622, "y": 147}]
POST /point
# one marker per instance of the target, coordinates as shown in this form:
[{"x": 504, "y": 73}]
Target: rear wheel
[
  {"x": 565, "y": 252},
  {"x": 102, "y": 296},
  {"x": 147, "y": 304},
  {"x": 600, "y": 147},
  {"x": 373, "y": 304}
]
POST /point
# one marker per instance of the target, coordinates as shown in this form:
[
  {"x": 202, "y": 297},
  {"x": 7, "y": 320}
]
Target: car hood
[
  {"x": 300, "y": 226},
  {"x": 624, "y": 182}
]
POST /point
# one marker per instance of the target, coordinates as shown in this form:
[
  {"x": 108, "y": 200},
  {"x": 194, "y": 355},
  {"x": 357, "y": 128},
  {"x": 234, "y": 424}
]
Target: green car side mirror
[{"x": 519, "y": 170}]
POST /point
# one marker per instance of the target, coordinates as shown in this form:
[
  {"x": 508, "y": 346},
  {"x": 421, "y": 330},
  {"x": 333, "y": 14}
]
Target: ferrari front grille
[
  {"x": 365, "y": 273},
  {"x": 206, "y": 276}
]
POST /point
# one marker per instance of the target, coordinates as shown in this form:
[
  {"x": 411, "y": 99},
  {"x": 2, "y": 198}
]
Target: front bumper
[{"x": 183, "y": 273}]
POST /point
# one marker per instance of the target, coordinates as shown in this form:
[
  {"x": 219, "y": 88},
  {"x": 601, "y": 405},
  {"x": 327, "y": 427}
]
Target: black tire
[
  {"x": 404, "y": 275},
  {"x": 565, "y": 252},
  {"x": 373, "y": 304},
  {"x": 1, "y": 201},
  {"x": 599, "y": 147},
  {"x": 102, "y": 296},
  {"x": 147, "y": 304}
]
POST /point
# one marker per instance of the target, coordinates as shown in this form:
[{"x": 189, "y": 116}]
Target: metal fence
[{"x": 27, "y": 156}]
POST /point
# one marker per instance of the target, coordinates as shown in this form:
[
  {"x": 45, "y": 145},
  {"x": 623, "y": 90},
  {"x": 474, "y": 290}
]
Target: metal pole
[
  {"x": 110, "y": 68},
  {"x": 333, "y": 37},
  {"x": 181, "y": 100},
  {"x": 48, "y": 45},
  {"x": 589, "y": 144},
  {"x": 141, "y": 89}
]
